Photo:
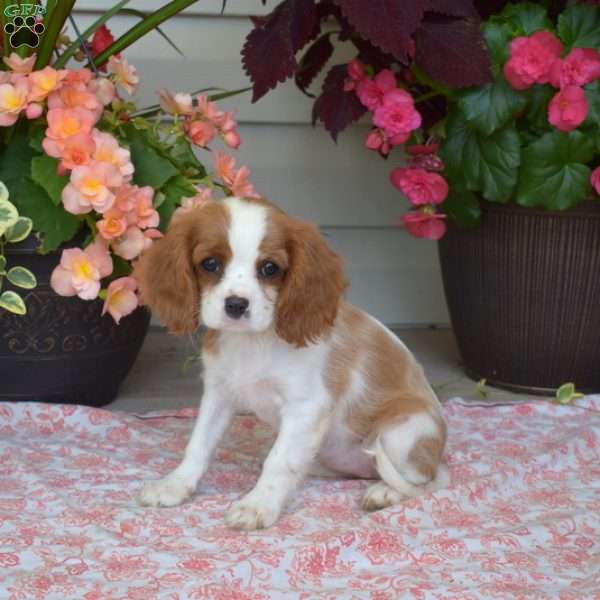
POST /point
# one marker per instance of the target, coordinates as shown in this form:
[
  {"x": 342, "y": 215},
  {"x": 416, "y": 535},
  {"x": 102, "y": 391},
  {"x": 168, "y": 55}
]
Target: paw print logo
[{"x": 24, "y": 31}]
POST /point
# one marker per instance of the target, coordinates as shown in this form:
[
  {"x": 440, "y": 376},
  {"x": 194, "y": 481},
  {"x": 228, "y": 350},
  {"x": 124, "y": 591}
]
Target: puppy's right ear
[{"x": 167, "y": 281}]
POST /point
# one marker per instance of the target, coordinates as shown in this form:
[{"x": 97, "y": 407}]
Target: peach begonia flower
[
  {"x": 235, "y": 180},
  {"x": 109, "y": 151},
  {"x": 124, "y": 73},
  {"x": 203, "y": 196},
  {"x": 34, "y": 110},
  {"x": 175, "y": 104},
  {"x": 77, "y": 151},
  {"x": 44, "y": 82},
  {"x": 144, "y": 213},
  {"x": 65, "y": 123},
  {"x": 13, "y": 99},
  {"x": 134, "y": 242},
  {"x": 18, "y": 64},
  {"x": 75, "y": 95},
  {"x": 78, "y": 76},
  {"x": 91, "y": 187},
  {"x": 121, "y": 299},
  {"x": 113, "y": 224},
  {"x": 200, "y": 132},
  {"x": 80, "y": 271}
]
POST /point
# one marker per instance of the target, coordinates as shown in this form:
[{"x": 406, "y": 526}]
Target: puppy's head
[{"x": 242, "y": 265}]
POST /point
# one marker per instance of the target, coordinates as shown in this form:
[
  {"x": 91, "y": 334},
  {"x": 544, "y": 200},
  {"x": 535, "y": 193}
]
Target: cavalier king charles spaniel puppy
[{"x": 344, "y": 393}]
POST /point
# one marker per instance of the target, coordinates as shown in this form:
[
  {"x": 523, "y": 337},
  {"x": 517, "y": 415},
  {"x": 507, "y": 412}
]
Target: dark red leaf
[
  {"x": 453, "y": 52},
  {"x": 387, "y": 24},
  {"x": 258, "y": 21},
  {"x": 335, "y": 107},
  {"x": 370, "y": 55},
  {"x": 313, "y": 62},
  {"x": 269, "y": 52},
  {"x": 452, "y": 8}
]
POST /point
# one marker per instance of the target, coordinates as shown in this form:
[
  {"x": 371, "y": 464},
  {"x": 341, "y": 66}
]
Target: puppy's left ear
[{"x": 312, "y": 288}]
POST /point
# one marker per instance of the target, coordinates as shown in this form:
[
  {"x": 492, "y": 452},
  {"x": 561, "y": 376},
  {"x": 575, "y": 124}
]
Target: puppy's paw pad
[
  {"x": 170, "y": 491},
  {"x": 249, "y": 516},
  {"x": 380, "y": 495}
]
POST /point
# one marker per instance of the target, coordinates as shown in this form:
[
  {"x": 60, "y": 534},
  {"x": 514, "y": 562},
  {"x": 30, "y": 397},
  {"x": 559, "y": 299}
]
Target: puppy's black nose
[{"x": 235, "y": 306}]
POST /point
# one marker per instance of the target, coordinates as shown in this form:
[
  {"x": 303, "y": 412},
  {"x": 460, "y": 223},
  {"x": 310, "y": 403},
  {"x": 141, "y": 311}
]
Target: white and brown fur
[{"x": 345, "y": 394}]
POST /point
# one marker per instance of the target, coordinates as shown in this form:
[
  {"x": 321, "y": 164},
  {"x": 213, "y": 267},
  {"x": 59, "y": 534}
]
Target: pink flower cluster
[
  {"x": 203, "y": 121},
  {"x": 395, "y": 118},
  {"x": 536, "y": 59}
]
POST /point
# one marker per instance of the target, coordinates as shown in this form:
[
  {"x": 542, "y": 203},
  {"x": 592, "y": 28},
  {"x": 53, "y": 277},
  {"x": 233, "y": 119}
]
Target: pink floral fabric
[{"x": 520, "y": 520}]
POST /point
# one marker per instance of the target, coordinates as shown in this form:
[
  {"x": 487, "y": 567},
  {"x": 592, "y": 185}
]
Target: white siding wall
[{"x": 342, "y": 187}]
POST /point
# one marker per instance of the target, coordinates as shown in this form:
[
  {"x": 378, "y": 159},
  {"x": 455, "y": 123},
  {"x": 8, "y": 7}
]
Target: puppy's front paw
[
  {"x": 250, "y": 514},
  {"x": 170, "y": 491}
]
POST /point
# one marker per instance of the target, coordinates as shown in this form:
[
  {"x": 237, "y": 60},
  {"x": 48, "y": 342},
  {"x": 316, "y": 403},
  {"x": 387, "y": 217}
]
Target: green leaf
[
  {"x": 592, "y": 94},
  {"x": 143, "y": 15},
  {"x": 44, "y": 173},
  {"x": 537, "y": 111},
  {"x": 182, "y": 155},
  {"x": 55, "y": 224},
  {"x": 3, "y": 192},
  {"x": 15, "y": 164},
  {"x": 553, "y": 173},
  {"x": 19, "y": 231},
  {"x": 482, "y": 390},
  {"x": 37, "y": 132},
  {"x": 175, "y": 190},
  {"x": 8, "y": 215},
  {"x": 566, "y": 393},
  {"x": 2, "y": 264},
  {"x": 579, "y": 26},
  {"x": 22, "y": 277},
  {"x": 491, "y": 106},
  {"x": 462, "y": 206},
  {"x": 150, "y": 167},
  {"x": 527, "y": 18},
  {"x": 57, "y": 12},
  {"x": 497, "y": 38},
  {"x": 12, "y": 302},
  {"x": 142, "y": 28},
  {"x": 489, "y": 164}
]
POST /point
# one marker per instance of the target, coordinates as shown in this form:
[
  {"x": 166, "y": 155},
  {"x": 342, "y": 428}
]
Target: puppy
[{"x": 345, "y": 395}]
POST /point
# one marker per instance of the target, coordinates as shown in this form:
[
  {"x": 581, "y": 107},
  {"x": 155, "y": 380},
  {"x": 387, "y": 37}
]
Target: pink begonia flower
[
  {"x": 175, "y": 104},
  {"x": 200, "y": 132},
  {"x": 20, "y": 65},
  {"x": 112, "y": 225},
  {"x": 121, "y": 299},
  {"x": 581, "y": 66},
  {"x": 568, "y": 108},
  {"x": 420, "y": 149},
  {"x": 425, "y": 224},
  {"x": 34, "y": 110},
  {"x": 371, "y": 92},
  {"x": 65, "y": 123},
  {"x": 531, "y": 59},
  {"x": 397, "y": 115},
  {"x": 77, "y": 151},
  {"x": 124, "y": 73},
  {"x": 76, "y": 95},
  {"x": 356, "y": 73},
  {"x": 109, "y": 151},
  {"x": 203, "y": 196},
  {"x": 595, "y": 179},
  {"x": 80, "y": 271},
  {"x": 13, "y": 99},
  {"x": 378, "y": 140},
  {"x": 91, "y": 188},
  {"x": 104, "y": 89},
  {"x": 420, "y": 186},
  {"x": 44, "y": 82}
]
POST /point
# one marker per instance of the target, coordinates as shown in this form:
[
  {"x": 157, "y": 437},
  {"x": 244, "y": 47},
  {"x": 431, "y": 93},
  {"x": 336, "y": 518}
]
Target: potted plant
[
  {"x": 95, "y": 180},
  {"x": 495, "y": 110}
]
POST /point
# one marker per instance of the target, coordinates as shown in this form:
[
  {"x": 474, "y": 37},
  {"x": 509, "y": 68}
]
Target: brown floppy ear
[
  {"x": 166, "y": 279},
  {"x": 312, "y": 287}
]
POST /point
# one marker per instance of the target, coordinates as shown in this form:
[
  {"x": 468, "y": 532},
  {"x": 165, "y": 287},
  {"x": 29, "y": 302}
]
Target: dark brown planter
[
  {"x": 63, "y": 350},
  {"x": 523, "y": 291}
]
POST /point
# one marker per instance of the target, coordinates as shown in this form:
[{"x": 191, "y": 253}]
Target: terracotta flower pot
[
  {"x": 63, "y": 349},
  {"x": 523, "y": 291}
]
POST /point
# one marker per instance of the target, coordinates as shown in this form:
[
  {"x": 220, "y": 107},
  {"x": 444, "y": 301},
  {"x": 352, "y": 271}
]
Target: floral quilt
[{"x": 520, "y": 520}]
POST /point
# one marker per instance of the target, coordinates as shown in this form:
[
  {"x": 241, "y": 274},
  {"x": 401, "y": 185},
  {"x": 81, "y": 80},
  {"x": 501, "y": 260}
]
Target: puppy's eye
[
  {"x": 269, "y": 269},
  {"x": 211, "y": 264}
]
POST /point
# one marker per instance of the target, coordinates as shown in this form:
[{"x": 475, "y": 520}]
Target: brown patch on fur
[
  {"x": 312, "y": 282},
  {"x": 426, "y": 454},
  {"x": 169, "y": 279},
  {"x": 210, "y": 341}
]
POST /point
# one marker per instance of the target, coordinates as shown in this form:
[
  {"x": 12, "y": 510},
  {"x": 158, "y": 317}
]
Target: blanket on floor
[{"x": 520, "y": 520}]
